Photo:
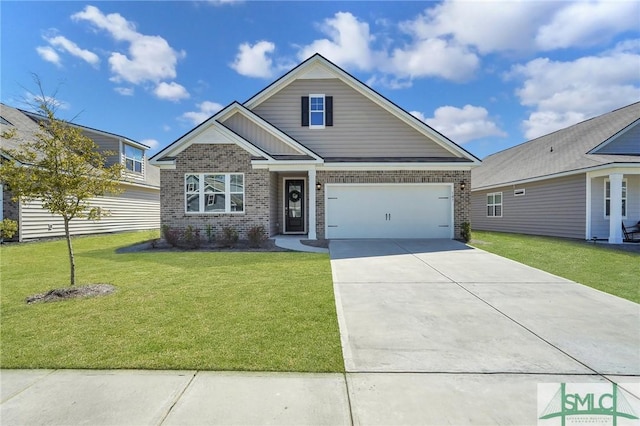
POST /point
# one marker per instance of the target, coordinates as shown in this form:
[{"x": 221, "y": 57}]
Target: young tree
[{"x": 63, "y": 169}]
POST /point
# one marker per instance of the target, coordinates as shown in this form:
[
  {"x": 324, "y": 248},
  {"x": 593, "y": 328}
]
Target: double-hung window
[
  {"x": 133, "y": 158},
  {"x": 214, "y": 193},
  {"x": 607, "y": 198},
  {"x": 316, "y": 111},
  {"x": 494, "y": 204}
]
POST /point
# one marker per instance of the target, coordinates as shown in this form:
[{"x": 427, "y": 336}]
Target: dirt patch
[{"x": 58, "y": 294}]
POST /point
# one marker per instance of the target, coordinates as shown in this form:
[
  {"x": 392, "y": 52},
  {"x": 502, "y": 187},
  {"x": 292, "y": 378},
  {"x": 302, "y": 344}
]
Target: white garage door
[{"x": 388, "y": 211}]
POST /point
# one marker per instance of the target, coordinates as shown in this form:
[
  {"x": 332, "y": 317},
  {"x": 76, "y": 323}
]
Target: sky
[{"x": 486, "y": 74}]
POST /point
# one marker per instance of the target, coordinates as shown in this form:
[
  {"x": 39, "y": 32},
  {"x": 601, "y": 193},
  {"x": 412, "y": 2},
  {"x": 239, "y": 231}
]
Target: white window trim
[
  {"x": 203, "y": 195},
  {"x": 141, "y": 161},
  {"x": 494, "y": 204},
  {"x": 324, "y": 111},
  {"x": 625, "y": 191}
]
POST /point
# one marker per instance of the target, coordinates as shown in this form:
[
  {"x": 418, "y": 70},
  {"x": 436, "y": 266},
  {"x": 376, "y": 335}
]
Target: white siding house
[{"x": 137, "y": 207}]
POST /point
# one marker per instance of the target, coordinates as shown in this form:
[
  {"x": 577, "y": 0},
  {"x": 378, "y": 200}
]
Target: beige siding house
[
  {"x": 136, "y": 208},
  {"x": 317, "y": 153},
  {"x": 580, "y": 182}
]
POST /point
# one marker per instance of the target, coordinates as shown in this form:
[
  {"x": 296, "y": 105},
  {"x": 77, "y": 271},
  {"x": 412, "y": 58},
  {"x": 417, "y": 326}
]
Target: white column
[
  {"x": 312, "y": 205},
  {"x": 615, "y": 208}
]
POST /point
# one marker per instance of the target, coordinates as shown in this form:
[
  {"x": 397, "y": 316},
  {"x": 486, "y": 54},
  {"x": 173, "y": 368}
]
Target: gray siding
[
  {"x": 106, "y": 144},
  {"x": 258, "y": 136},
  {"x": 360, "y": 127},
  {"x": 600, "y": 223},
  {"x": 555, "y": 207},
  {"x": 627, "y": 143},
  {"x": 134, "y": 209}
]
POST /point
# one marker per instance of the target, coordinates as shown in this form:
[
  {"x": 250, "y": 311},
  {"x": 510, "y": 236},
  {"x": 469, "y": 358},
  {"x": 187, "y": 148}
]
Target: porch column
[
  {"x": 312, "y": 205},
  {"x": 615, "y": 208}
]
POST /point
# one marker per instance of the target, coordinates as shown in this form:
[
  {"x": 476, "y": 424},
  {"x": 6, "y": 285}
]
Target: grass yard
[
  {"x": 266, "y": 311},
  {"x": 613, "y": 271}
]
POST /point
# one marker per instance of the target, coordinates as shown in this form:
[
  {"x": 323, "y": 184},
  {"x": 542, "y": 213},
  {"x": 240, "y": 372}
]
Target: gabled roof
[
  {"x": 317, "y": 66},
  {"x": 573, "y": 149},
  {"x": 236, "y": 108},
  {"x": 314, "y": 67}
]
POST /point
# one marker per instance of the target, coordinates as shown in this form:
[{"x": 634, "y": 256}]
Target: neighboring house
[
  {"x": 578, "y": 182},
  {"x": 137, "y": 207},
  {"x": 317, "y": 152}
]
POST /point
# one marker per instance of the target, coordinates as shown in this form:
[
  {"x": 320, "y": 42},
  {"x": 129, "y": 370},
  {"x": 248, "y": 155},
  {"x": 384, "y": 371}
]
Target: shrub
[
  {"x": 191, "y": 237},
  {"x": 229, "y": 236},
  {"x": 465, "y": 232},
  {"x": 257, "y": 236},
  {"x": 8, "y": 229},
  {"x": 211, "y": 236},
  {"x": 171, "y": 236}
]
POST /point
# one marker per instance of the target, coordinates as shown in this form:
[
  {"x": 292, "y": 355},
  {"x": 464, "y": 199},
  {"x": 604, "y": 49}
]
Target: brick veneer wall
[
  {"x": 227, "y": 158},
  {"x": 461, "y": 199}
]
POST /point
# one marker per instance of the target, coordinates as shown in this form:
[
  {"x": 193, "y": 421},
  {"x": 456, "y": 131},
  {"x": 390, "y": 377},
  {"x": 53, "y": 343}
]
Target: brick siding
[
  {"x": 227, "y": 158},
  {"x": 263, "y": 190},
  {"x": 461, "y": 199}
]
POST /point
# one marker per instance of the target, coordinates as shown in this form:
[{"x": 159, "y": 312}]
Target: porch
[{"x": 613, "y": 199}]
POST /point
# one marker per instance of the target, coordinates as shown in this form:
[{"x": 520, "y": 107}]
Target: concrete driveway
[{"x": 428, "y": 326}]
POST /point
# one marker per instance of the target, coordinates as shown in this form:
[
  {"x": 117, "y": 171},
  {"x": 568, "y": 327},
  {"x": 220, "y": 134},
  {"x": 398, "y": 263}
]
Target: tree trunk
[{"x": 72, "y": 262}]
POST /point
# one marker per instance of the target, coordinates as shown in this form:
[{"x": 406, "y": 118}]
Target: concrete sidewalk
[{"x": 121, "y": 397}]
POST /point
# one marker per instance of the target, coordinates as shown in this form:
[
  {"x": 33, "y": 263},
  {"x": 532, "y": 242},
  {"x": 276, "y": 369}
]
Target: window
[
  {"x": 607, "y": 198},
  {"x": 317, "y": 111},
  {"x": 494, "y": 204},
  {"x": 214, "y": 193},
  {"x": 133, "y": 158}
]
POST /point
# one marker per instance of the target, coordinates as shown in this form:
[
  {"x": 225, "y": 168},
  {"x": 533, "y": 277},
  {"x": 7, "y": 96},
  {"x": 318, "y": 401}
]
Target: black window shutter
[
  {"x": 328, "y": 100},
  {"x": 305, "y": 111}
]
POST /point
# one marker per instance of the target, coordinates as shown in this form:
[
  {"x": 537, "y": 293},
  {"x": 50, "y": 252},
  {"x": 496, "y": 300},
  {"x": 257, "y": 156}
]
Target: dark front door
[{"x": 294, "y": 205}]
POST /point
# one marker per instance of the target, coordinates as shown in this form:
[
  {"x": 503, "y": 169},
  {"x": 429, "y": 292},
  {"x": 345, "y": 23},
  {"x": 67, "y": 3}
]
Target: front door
[{"x": 294, "y": 205}]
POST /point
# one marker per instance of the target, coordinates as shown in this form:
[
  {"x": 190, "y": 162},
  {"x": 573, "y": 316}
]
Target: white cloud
[
  {"x": 125, "y": 91},
  {"x": 225, "y": 2},
  {"x": 205, "y": 110},
  {"x": 49, "y": 54},
  {"x": 149, "y": 58},
  {"x": 489, "y": 27},
  {"x": 348, "y": 44},
  {"x": 151, "y": 143},
  {"x": 588, "y": 23},
  {"x": 462, "y": 124},
  {"x": 564, "y": 93},
  {"x": 435, "y": 58},
  {"x": 70, "y": 47},
  {"x": 171, "y": 91},
  {"x": 253, "y": 61}
]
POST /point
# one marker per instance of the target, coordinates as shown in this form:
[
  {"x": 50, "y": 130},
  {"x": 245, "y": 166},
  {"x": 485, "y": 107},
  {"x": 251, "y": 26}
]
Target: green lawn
[
  {"x": 598, "y": 266},
  {"x": 172, "y": 310}
]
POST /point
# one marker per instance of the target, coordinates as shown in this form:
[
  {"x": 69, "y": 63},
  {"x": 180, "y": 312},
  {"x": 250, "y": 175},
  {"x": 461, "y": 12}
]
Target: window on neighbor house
[
  {"x": 133, "y": 158},
  {"x": 607, "y": 198},
  {"x": 494, "y": 204},
  {"x": 214, "y": 193}
]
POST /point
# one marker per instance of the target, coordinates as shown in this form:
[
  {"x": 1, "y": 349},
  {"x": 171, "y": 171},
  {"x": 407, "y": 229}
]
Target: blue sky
[{"x": 488, "y": 75}]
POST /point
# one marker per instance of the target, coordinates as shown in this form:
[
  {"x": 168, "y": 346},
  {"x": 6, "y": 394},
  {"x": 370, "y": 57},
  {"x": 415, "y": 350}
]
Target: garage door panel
[{"x": 388, "y": 211}]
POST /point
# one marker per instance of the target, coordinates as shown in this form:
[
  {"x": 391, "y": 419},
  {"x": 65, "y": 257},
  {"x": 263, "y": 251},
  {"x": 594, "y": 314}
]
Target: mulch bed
[{"x": 58, "y": 294}]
